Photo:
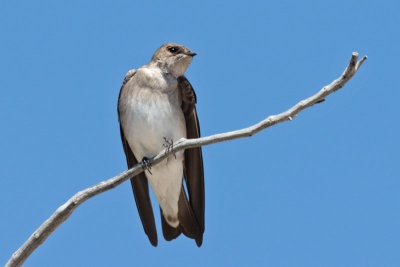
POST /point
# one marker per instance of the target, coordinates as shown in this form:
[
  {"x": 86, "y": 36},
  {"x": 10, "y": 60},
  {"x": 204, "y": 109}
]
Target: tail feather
[
  {"x": 188, "y": 224},
  {"x": 187, "y": 219},
  {"x": 169, "y": 232}
]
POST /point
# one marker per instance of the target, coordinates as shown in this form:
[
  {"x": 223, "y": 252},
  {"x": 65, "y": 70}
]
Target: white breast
[
  {"x": 151, "y": 115},
  {"x": 149, "y": 121}
]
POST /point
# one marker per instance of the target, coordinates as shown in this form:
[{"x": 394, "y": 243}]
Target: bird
[{"x": 157, "y": 107}]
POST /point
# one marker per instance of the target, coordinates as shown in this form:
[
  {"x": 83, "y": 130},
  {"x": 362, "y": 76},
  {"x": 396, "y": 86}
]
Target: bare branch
[{"x": 64, "y": 211}]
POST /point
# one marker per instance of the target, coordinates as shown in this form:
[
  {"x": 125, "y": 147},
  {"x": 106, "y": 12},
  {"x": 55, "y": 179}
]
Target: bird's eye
[{"x": 172, "y": 49}]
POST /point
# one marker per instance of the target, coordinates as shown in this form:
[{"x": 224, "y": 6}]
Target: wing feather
[{"x": 139, "y": 183}]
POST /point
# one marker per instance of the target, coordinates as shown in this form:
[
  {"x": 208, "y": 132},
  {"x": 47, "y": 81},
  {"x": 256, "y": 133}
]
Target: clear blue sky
[{"x": 322, "y": 190}]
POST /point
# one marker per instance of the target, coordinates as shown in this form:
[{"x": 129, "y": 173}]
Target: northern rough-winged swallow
[{"x": 156, "y": 107}]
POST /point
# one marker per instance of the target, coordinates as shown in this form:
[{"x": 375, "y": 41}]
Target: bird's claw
[
  {"x": 146, "y": 165},
  {"x": 168, "y": 145}
]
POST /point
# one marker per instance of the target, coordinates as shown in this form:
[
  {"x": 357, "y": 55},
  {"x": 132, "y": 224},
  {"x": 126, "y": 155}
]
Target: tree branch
[{"x": 64, "y": 211}]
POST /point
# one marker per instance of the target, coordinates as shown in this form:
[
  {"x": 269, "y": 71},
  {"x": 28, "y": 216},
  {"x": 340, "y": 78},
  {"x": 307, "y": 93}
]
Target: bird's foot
[
  {"x": 146, "y": 165},
  {"x": 168, "y": 145}
]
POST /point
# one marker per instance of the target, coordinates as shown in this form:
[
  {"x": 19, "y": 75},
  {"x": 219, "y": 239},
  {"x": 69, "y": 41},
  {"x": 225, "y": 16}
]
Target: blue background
[{"x": 322, "y": 190}]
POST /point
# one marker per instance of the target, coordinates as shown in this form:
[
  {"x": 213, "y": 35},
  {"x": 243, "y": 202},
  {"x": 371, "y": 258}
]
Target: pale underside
[{"x": 148, "y": 118}]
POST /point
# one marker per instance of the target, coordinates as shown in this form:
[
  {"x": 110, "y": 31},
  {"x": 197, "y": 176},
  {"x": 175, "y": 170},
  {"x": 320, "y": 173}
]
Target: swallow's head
[{"x": 174, "y": 58}]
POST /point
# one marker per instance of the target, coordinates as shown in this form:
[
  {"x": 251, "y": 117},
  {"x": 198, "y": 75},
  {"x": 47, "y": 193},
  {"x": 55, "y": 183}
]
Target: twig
[{"x": 64, "y": 211}]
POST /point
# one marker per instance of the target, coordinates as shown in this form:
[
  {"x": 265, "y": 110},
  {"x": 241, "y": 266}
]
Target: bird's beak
[{"x": 190, "y": 54}]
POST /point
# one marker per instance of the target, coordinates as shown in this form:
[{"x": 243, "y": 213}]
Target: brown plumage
[{"x": 172, "y": 60}]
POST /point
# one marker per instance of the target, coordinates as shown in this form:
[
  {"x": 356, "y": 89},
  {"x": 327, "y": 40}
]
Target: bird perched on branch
[{"x": 156, "y": 107}]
